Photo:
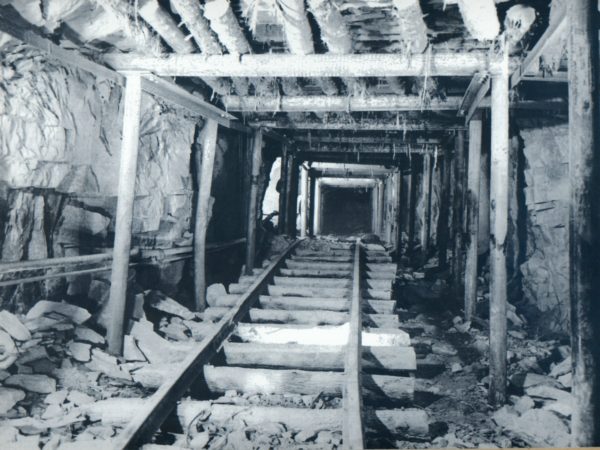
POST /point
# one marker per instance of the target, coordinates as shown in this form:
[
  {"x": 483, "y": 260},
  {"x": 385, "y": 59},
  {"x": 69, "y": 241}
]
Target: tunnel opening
[{"x": 347, "y": 211}]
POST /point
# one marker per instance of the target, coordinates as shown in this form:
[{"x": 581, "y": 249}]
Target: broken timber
[{"x": 162, "y": 402}]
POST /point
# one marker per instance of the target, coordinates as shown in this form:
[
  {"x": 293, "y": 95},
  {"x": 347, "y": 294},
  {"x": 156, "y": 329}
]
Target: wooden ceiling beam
[
  {"x": 165, "y": 26},
  {"x": 439, "y": 64},
  {"x": 299, "y": 37},
  {"x": 360, "y": 140},
  {"x": 361, "y": 125},
  {"x": 390, "y": 150},
  {"x": 191, "y": 15},
  {"x": 320, "y": 103}
]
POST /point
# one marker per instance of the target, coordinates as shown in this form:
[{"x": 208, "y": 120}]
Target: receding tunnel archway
[{"x": 347, "y": 210}]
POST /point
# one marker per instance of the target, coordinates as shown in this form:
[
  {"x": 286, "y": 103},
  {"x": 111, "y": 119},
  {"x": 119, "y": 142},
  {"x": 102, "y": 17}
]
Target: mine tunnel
[{"x": 298, "y": 224}]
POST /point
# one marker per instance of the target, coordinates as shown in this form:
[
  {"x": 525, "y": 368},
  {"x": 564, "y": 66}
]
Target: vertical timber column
[
  {"x": 411, "y": 195},
  {"x": 498, "y": 230},
  {"x": 304, "y": 200},
  {"x": 425, "y": 229},
  {"x": 381, "y": 208},
  {"x": 204, "y": 164},
  {"x": 317, "y": 208},
  {"x": 458, "y": 213},
  {"x": 257, "y": 145},
  {"x": 282, "y": 221},
  {"x": 443, "y": 226},
  {"x": 584, "y": 173},
  {"x": 474, "y": 171},
  {"x": 126, "y": 192},
  {"x": 311, "y": 215},
  {"x": 291, "y": 191},
  {"x": 399, "y": 213}
]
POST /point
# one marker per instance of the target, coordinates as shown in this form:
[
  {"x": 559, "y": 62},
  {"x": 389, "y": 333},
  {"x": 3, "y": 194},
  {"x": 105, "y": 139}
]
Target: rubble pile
[
  {"x": 455, "y": 393},
  {"x": 61, "y": 387}
]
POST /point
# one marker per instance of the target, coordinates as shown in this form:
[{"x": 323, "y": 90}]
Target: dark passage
[{"x": 346, "y": 211}]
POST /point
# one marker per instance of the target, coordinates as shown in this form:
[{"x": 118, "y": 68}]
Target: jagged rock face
[
  {"x": 59, "y": 165},
  {"x": 546, "y": 270}
]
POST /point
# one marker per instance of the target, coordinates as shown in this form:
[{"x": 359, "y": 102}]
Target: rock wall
[
  {"x": 546, "y": 269},
  {"x": 59, "y": 164}
]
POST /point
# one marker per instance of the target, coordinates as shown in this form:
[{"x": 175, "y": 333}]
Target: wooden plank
[
  {"x": 291, "y": 194},
  {"x": 405, "y": 423},
  {"x": 283, "y": 200},
  {"x": 412, "y": 206},
  {"x": 425, "y": 229},
  {"x": 156, "y": 408},
  {"x": 328, "y": 103},
  {"x": 204, "y": 166},
  {"x": 315, "y": 335},
  {"x": 124, "y": 216},
  {"x": 331, "y": 273},
  {"x": 443, "y": 229},
  {"x": 360, "y": 125},
  {"x": 306, "y": 291},
  {"x": 257, "y": 144},
  {"x": 499, "y": 225},
  {"x": 472, "y": 236},
  {"x": 304, "y": 187},
  {"x": 460, "y": 181},
  {"x": 317, "y": 357},
  {"x": 335, "y": 304},
  {"x": 352, "y": 428},
  {"x": 437, "y": 63},
  {"x": 377, "y": 388},
  {"x": 584, "y": 213}
]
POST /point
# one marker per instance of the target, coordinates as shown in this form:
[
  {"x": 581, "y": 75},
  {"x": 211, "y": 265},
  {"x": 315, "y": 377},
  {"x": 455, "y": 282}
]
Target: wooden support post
[
  {"x": 584, "y": 172},
  {"x": 311, "y": 202},
  {"x": 304, "y": 187},
  {"x": 443, "y": 224},
  {"x": 257, "y": 145},
  {"x": 283, "y": 206},
  {"x": 380, "y": 208},
  {"x": 292, "y": 195},
  {"x": 498, "y": 231},
  {"x": 474, "y": 170},
  {"x": 318, "y": 205},
  {"x": 399, "y": 214},
  {"x": 204, "y": 166},
  {"x": 126, "y": 193},
  {"x": 425, "y": 229},
  {"x": 411, "y": 196},
  {"x": 458, "y": 214}
]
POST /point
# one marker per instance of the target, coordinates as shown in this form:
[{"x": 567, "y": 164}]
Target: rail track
[{"x": 318, "y": 322}]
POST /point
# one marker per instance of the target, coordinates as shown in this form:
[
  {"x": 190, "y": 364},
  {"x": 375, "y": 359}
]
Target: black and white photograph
[{"x": 299, "y": 224}]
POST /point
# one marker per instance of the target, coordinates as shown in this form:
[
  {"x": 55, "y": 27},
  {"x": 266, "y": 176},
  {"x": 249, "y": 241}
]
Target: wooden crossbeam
[
  {"x": 373, "y": 148},
  {"x": 438, "y": 63},
  {"x": 554, "y": 30},
  {"x": 361, "y": 125},
  {"x": 370, "y": 140},
  {"x": 338, "y": 103},
  {"x": 480, "y": 86}
]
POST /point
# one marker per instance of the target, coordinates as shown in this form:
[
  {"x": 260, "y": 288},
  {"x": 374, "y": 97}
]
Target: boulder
[
  {"x": 74, "y": 313},
  {"x": 161, "y": 302},
  {"x": 527, "y": 380},
  {"x": 550, "y": 393},
  {"x": 8, "y": 350},
  {"x": 88, "y": 335},
  {"x": 41, "y": 384},
  {"x": 562, "y": 368},
  {"x": 8, "y": 398},
  {"x": 537, "y": 427},
  {"x": 214, "y": 292},
  {"x": 13, "y": 326},
  {"x": 80, "y": 351}
]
